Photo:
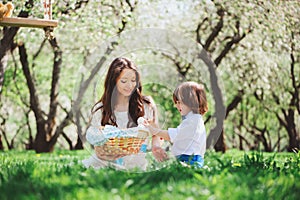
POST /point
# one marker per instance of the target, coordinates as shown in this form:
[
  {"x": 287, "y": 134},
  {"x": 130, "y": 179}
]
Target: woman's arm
[
  {"x": 96, "y": 116},
  {"x": 93, "y": 132}
]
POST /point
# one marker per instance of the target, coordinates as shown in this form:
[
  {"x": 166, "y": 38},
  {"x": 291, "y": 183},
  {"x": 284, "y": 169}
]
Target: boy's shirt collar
[{"x": 183, "y": 117}]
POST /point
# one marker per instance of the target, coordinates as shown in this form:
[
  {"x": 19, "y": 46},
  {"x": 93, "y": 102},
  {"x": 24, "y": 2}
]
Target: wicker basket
[{"x": 120, "y": 146}]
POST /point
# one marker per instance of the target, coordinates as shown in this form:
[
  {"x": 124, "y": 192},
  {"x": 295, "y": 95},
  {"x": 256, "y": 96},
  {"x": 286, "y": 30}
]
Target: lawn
[{"x": 233, "y": 175}]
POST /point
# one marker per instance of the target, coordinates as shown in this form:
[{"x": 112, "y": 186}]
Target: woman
[{"x": 122, "y": 103}]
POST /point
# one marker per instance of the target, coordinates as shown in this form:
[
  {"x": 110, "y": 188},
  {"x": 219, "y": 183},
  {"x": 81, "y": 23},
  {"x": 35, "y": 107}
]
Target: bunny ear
[{"x": 141, "y": 120}]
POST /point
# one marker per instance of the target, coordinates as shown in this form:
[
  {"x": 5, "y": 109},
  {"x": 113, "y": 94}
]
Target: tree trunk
[
  {"x": 79, "y": 144},
  {"x": 241, "y": 143},
  {"x": 220, "y": 144},
  {"x": 294, "y": 142},
  {"x": 217, "y": 133},
  {"x": 41, "y": 145},
  {"x": 42, "y": 141},
  {"x": 1, "y": 144}
]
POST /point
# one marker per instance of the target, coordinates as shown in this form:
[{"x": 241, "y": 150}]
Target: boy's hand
[
  {"x": 159, "y": 154},
  {"x": 151, "y": 126}
]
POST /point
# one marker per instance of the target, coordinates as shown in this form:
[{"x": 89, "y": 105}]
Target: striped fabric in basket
[{"x": 111, "y": 141}]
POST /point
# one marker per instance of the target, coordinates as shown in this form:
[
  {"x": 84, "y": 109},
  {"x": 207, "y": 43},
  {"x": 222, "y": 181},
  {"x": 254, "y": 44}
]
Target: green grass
[{"x": 234, "y": 175}]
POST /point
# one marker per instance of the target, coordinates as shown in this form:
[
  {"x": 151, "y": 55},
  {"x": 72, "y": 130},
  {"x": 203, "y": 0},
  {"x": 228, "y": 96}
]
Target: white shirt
[
  {"x": 131, "y": 161},
  {"x": 122, "y": 117},
  {"x": 189, "y": 137}
]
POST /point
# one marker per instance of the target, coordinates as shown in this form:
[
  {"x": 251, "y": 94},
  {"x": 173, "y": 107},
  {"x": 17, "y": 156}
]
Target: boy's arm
[
  {"x": 158, "y": 152},
  {"x": 162, "y": 133},
  {"x": 157, "y": 132}
]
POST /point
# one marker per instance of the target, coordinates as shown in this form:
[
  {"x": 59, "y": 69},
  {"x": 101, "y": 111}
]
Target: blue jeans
[{"x": 194, "y": 160}]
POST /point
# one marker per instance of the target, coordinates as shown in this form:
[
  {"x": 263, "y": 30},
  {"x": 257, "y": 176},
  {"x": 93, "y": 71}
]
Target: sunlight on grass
[{"x": 234, "y": 175}]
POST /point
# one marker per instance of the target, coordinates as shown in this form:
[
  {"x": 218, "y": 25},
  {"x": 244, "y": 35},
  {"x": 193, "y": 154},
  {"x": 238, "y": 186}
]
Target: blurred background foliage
[{"x": 254, "y": 45}]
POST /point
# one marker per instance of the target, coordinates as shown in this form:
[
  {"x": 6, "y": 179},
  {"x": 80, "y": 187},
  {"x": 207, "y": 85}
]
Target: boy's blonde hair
[{"x": 193, "y": 95}]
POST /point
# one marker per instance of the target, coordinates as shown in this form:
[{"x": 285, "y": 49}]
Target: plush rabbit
[{"x": 6, "y": 10}]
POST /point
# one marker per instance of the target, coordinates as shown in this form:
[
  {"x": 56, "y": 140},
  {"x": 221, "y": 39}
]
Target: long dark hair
[{"x": 108, "y": 99}]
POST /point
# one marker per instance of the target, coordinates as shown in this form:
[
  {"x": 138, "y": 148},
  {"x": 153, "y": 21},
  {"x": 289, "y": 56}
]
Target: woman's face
[{"x": 126, "y": 82}]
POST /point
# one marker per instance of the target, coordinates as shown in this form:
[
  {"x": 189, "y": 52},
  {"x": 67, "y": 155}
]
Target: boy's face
[{"x": 182, "y": 108}]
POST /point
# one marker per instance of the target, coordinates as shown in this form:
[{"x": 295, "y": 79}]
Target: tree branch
[
  {"x": 198, "y": 37},
  {"x": 295, "y": 101},
  {"x": 7, "y": 40},
  {"x": 39, "y": 50},
  {"x": 180, "y": 69},
  {"x": 244, "y": 139},
  {"x": 124, "y": 20},
  {"x": 131, "y": 6},
  {"x": 69, "y": 141},
  {"x": 234, "y": 103},
  {"x": 216, "y": 30},
  {"x": 281, "y": 121},
  {"x": 54, "y": 85},
  {"x": 234, "y": 40},
  {"x": 23, "y": 100},
  {"x": 78, "y": 4}
]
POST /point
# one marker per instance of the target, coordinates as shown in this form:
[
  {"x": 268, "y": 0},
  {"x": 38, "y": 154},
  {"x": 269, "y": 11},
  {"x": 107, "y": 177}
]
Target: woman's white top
[
  {"x": 189, "y": 137},
  {"x": 132, "y": 161},
  {"x": 122, "y": 117}
]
